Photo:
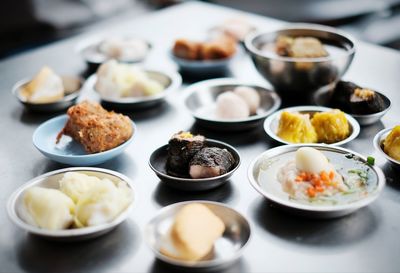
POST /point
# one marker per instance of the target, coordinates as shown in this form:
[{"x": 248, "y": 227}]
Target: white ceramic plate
[{"x": 271, "y": 160}]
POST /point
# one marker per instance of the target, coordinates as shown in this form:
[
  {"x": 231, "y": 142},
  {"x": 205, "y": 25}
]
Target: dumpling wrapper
[
  {"x": 76, "y": 185},
  {"x": 47, "y": 208}
]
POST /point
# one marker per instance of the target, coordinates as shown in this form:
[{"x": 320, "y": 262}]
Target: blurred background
[{"x": 26, "y": 24}]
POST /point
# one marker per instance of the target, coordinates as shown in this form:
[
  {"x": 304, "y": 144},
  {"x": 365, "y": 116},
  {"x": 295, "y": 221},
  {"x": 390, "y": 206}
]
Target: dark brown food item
[
  {"x": 341, "y": 95},
  {"x": 211, "y": 162},
  {"x": 182, "y": 147},
  {"x": 186, "y": 49},
  {"x": 95, "y": 128},
  {"x": 364, "y": 101}
]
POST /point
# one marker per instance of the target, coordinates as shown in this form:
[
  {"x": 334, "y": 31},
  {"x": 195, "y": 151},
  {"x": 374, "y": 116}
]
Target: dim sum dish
[
  {"x": 198, "y": 234},
  {"x": 364, "y": 104},
  {"x": 207, "y": 57},
  {"x": 47, "y": 91},
  {"x": 72, "y": 204},
  {"x": 99, "y": 49},
  {"x": 229, "y": 104},
  {"x": 387, "y": 143},
  {"x": 88, "y": 135},
  {"x": 311, "y": 124},
  {"x": 194, "y": 163},
  {"x": 129, "y": 87},
  {"x": 316, "y": 180}
]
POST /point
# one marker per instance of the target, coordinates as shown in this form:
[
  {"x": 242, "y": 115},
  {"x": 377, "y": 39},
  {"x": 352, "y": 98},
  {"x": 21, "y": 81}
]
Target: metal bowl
[
  {"x": 201, "y": 97},
  {"x": 88, "y": 49},
  {"x": 158, "y": 163},
  {"x": 170, "y": 80},
  {"x": 226, "y": 250},
  {"x": 272, "y": 122},
  {"x": 378, "y": 141},
  {"x": 206, "y": 67},
  {"x": 297, "y": 79},
  {"x": 323, "y": 99},
  {"x": 69, "y": 99},
  {"x": 50, "y": 180},
  {"x": 272, "y": 190}
]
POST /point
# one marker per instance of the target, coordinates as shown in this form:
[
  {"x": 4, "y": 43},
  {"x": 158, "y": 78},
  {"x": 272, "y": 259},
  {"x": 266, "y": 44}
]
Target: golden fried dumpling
[
  {"x": 331, "y": 126},
  {"x": 48, "y": 208},
  {"x": 102, "y": 203},
  {"x": 296, "y": 128},
  {"x": 391, "y": 145}
]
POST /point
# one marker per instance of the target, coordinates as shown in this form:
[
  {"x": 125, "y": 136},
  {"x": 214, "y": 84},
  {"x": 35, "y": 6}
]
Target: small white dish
[
  {"x": 271, "y": 160},
  {"x": 272, "y": 122},
  {"x": 50, "y": 180}
]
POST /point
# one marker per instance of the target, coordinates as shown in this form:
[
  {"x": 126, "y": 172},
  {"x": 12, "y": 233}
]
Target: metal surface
[
  {"x": 201, "y": 98},
  {"x": 271, "y": 124},
  {"x": 324, "y": 211},
  {"x": 170, "y": 80},
  {"x": 51, "y": 180},
  {"x": 323, "y": 99},
  {"x": 367, "y": 240},
  {"x": 226, "y": 249},
  {"x": 158, "y": 163},
  {"x": 68, "y": 99},
  {"x": 301, "y": 77}
]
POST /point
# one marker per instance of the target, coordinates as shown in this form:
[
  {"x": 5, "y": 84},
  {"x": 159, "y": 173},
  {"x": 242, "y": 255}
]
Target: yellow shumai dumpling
[
  {"x": 103, "y": 203},
  {"x": 48, "y": 208},
  {"x": 296, "y": 128},
  {"x": 331, "y": 126},
  {"x": 391, "y": 145},
  {"x": 75, "y": 184}
]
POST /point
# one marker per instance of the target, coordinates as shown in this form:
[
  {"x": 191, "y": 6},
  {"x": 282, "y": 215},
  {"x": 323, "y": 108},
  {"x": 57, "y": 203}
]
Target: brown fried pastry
[
  {"x": 220, "y": 48},
  {"x": 97, "y": 129},
  {"x": 187, "y": 49}
]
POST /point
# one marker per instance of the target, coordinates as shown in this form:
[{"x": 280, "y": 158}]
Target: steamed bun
[
  {"x": 250, "y": 96},
  {"x": 231, "y": 106},
  {"x": 47, "y": 208}
]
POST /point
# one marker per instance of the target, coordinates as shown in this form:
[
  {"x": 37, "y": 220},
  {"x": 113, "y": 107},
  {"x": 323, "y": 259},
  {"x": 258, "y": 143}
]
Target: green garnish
[
  {"x": 361, "y": 174},
  {"x": 371, "y": 160}
]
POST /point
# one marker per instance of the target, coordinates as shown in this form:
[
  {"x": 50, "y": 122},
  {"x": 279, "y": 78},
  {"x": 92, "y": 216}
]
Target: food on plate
[
  {"x": 124, "y": 49},
  {"x": 193, "y": 233},
  {"x": 231, "y": 106},
  {"x": 45, "y": 87},
  {"x": 356, "y": 100},
  {"x": 215, "y": 49},
  {"x": 391, "y": 144},
  {"x": 239, "y": 103},
  {"x": 310, "y": 177},
  {"x": 300, "y": 47},
  {"x": 210, "y": 162},
  {"x": 236, "y": 28},
  {"x": 47, "y": 208},
  {"x": 118, "y": 80},
  {"x": 97, "y": 129},
  {"x": 331, "y": 126},
  {"x": 250, "y": 96},
  {"x": 181, "y": 148},
  {"x": 81, "y": 200},
  {"x": 296, "y": 128},
  {"x": 188, "y": 155}
]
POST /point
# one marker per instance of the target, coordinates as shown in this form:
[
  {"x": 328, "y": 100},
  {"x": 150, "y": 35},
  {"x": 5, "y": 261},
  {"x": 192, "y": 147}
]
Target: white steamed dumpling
[
  {"x": 311, "y": 160},
  {"x": 231, "y": 106},
  {"x": 47, "y": 208},
  {"x": 250, "y": 96}
]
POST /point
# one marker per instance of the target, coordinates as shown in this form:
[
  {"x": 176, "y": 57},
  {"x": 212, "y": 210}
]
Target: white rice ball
[
  {"x": 231, "y": 106},
  {"x": 250, "y": 96}
]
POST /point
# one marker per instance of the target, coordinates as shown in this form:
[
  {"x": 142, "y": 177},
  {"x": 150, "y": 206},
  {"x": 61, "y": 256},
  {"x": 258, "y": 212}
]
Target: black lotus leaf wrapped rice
[
  {"x": 365, "y": 101},
  {"x": 182, "y": 147},
  {"x": 211, "y": 162},
  {"x": 342, "y": 94}
]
